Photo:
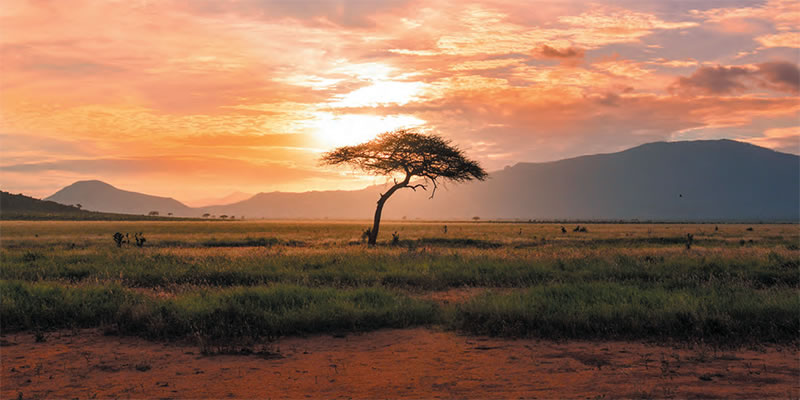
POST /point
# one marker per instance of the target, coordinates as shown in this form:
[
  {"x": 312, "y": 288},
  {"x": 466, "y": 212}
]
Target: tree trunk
[{"x": 376, "y": 223}]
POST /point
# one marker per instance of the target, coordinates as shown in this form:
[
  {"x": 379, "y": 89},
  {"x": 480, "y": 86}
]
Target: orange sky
[{"x": 195, "y": 99}]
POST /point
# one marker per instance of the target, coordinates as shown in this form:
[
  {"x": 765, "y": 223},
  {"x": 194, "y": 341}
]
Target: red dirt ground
[{"x": 410, "y": 363}]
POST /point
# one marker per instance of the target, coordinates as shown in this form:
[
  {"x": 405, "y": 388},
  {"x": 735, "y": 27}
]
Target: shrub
[{"x": 118, "y": 239}]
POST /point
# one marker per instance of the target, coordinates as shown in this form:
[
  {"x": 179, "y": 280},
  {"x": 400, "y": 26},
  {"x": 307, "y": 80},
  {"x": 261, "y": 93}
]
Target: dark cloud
[
  {"x": 720, "y": 80},
  {"x": 781, "y": 75},
  {"x": 714, "y": 80},
  {"x": 551, "y": 52}
]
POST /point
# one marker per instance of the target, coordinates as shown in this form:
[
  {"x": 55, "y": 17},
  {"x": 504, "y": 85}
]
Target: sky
[{"x": 198, "y": 99}]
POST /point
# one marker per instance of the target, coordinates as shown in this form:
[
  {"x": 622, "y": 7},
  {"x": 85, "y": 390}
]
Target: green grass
[
  {"x": 615, "y": 311},
  {"x": 246, "y": 279},
  {"x": 262, "y": 312},
  {"x": 357, "y": 267}
]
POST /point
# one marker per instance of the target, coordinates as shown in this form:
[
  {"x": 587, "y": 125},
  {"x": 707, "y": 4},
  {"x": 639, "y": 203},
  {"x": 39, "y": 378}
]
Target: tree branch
[{"x": 435, "y": 186}]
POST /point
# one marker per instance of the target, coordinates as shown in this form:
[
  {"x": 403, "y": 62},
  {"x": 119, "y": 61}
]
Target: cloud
[
  {"x": 714, "y": 80},
  {"x": 551, "y": 52},
  {"x": 476, "y": 65},
  {"x": 622, "y": 68},
  {"x": 783, "y": 39},
  {"x": 779, "y": 16},
  {"x": 786, "y": 140},
  {"x": 783, "y": 14},
  {"x": 721, "y": 80},
  {"x": 242, "y": 140},
  {"x": 781, "y": 75},
  {"x": 478, "y": 29},
  {"x": 674, "y": 63},
  {"x": 189, "y": 167},
  {"x": 346, "y": 13},
  {"x": 41, "y": 147}
]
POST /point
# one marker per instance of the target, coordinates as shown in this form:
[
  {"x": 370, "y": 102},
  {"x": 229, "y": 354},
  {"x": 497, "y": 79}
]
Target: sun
[{"x": 348, "y": 129}]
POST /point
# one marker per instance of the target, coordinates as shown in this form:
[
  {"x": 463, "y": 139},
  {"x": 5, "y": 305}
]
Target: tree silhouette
[{"x": 412, "y": 154}]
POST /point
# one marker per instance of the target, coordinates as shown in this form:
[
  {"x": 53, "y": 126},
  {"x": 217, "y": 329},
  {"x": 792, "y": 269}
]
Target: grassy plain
[{"x": 231, "y": 280}]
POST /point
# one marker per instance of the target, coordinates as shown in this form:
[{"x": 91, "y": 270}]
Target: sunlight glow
[
  {"x": 380, "y": 93},
  {"x": 349, "y": 129},
  {"x": 385, "y": 86}
]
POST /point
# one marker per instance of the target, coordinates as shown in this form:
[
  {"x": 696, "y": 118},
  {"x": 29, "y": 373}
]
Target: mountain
[
  {"x": 100, "y": 196},
  {"x": 337, "y": 204},
  {"x": 21, "y": 207},
  {"x": 231, "y": 198},
  {"x": 13, "y": 206},
  {"x": 716, "y": 180},
  {"x": 698, "y": 180},
  {"x": 720, "y": 180}
]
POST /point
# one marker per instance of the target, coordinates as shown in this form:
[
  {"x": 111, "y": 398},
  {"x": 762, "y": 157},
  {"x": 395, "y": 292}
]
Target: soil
[{"x": 409, "y": 363}]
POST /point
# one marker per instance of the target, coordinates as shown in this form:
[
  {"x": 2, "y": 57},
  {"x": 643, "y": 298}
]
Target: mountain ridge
[
  {"x": 676, "y": 181},
  {"x": 100, "y": 196}
]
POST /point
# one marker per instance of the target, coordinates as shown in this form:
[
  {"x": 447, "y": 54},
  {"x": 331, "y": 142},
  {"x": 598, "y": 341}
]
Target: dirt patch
[{"x": 411, "y": 363}]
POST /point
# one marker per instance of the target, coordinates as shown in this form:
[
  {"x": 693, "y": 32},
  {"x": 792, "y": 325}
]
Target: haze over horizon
[{"x": 201, "y": 99}]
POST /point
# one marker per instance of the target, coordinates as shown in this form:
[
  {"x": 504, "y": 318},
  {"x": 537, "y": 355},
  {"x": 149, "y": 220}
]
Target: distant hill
[
  {"x": 231, "y": 198},
  {"x": 21, "y": 207},
  {"x": 699, "y": 180},
  {"x": 720, "y": 180},
  {"x": 16, "y": 205},
  {"x": 100, "y": 196},
  {"x": 715, "y": 180}
]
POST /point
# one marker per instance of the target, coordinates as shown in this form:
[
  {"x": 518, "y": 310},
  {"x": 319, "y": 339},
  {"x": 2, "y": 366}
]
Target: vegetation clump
[
  {"x": 119, "y": 239},
  {"x": 139, "y": 239}
]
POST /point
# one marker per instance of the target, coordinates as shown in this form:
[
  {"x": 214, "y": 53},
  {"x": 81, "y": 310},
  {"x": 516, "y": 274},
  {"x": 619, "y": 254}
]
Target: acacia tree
[{"x": 411, "y": 154}]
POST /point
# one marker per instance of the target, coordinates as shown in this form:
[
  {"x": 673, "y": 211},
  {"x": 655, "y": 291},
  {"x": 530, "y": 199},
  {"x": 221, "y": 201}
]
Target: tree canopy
[{"x": 411, "y": 153}]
